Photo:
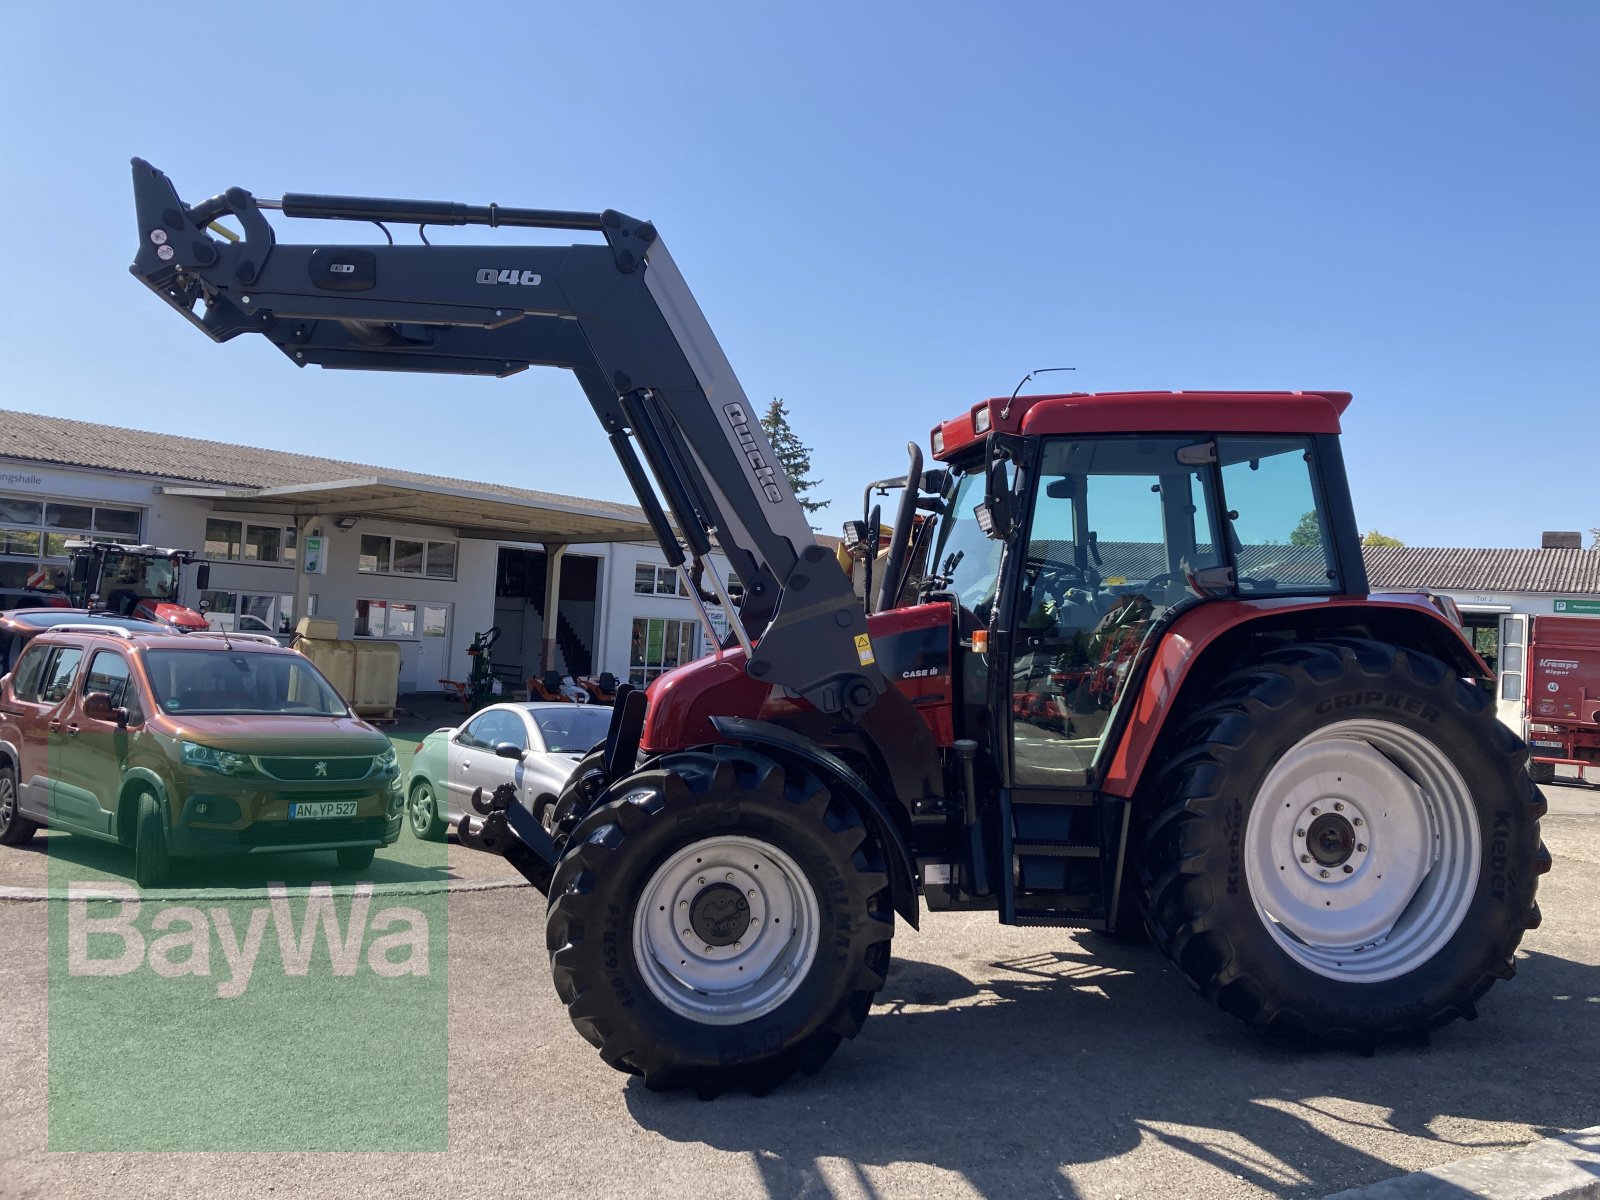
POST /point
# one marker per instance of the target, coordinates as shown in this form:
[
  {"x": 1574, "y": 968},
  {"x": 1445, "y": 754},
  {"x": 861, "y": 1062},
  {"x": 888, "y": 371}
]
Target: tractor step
[{"x": 1062, "y": 852}]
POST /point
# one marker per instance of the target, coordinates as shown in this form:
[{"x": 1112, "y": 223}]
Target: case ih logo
[
  {"x": 524, "y": 278},
  {"x": 766, "y": 476}
]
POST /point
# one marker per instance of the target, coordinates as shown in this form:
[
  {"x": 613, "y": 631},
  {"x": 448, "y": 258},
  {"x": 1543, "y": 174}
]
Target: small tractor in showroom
[{"x": 1298, "y": 789}]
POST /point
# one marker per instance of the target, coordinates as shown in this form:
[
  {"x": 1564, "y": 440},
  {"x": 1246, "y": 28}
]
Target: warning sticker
[{"x": 864, "y": 649}]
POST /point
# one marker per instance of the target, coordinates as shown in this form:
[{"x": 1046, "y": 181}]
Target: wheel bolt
[
  {"x": 1348, "y": 868},
  {"x": 683, "y": 904},
  {"x": 1324, "y": 874},
  {"x": 1305, "y": 858},
  {"x": 1299, "y": 833},
  {"x": 1361, "y": 847},
  {"x": 702, "y": 879},
  {"x": 687, "y": 933},
  {"x": 1337, "y": 806},
  {"x": 1357, "y": 821},
  {"x": 729, "y": 876},
  {"x": 1316, "y": 812},
  {"x": 738, "y": 946},
  {"x": 751, "y": 893}
]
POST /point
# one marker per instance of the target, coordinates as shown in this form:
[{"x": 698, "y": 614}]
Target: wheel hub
[
  {"x": 1362, "y": 850},
  {"x": 720, "y": 914}
]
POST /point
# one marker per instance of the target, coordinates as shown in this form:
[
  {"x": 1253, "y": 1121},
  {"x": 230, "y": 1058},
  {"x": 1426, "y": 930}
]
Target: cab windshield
[
  {"x": 205, "y": 682},
  {"x": 965, "y": 559}
]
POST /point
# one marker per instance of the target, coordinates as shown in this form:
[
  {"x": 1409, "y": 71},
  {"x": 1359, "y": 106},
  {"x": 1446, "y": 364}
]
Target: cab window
[
  {"x": 1276, "y": 521},
  {"x": 25, "y": 681},
  {"x": 108, "y": 673},
  {"x": 58, "y": 674}
]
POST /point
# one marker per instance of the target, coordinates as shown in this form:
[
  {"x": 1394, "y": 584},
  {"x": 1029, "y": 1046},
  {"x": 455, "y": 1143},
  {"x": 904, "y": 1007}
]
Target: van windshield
[{"x": 206, "y": 682}]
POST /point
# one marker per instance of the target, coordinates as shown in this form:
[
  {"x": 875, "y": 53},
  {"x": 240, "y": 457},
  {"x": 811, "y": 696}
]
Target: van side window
[
  {"x": 108, "y": 673},
  {"x": 25, "y": 682},
  {"x": 58, "y": 675}
]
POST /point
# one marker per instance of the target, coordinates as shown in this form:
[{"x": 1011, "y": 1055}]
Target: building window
[
  {"x": 239, "y": 541},
  {"x": 381, "y": 555},
  {"x": 649, "y": 580},
  {"x": 395, "y": 619},
  {"x": 659, "y": 644},
  {"x": 250, "y": 612},
  {"x": 34, "y": 531}
]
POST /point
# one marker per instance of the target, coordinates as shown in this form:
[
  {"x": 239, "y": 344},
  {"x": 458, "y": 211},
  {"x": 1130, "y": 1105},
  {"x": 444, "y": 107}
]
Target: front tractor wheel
[
  {"x": 1344, "y": 845},
  {"x": 719, "y": 922}
]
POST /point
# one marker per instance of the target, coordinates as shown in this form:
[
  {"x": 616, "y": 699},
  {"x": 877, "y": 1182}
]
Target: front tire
[
  {"x": 152, "y": 864},
  {"x": 422, "y": 809},
  {"x": 719, "y": 922},
  {"x": 1344, "y": 844},
  {"x": 355, "y": 858}
]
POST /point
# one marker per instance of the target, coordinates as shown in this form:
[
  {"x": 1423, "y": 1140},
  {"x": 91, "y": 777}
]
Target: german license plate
[
  {"x": 1547, "y": 745},
  {"x": 321, "y": 810}
]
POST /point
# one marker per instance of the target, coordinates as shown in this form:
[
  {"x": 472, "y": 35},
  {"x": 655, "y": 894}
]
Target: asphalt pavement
[{"x": 998, "y": 1062}]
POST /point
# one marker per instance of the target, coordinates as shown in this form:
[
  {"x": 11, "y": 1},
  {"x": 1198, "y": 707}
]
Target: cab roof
[{"x": 1142, "y": 412}]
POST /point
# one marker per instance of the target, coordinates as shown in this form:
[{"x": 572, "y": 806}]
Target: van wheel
[
  {"x": 152, "y": 864},
  {"x": 14, "y": 827},
  {"x": 356, "y": 858}
]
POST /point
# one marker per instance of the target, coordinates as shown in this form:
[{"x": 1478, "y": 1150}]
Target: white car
[{"x": 535, "y": 746}]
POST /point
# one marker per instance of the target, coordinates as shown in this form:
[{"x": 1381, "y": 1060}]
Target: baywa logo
[
  {"x": 521, "y": 278},
  {"x": 178, "y": 940},
  {"x": 766, "y": 476}
]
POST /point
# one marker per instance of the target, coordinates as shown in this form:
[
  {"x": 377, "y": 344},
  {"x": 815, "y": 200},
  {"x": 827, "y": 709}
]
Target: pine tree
[{"x": 794, "y": 456}]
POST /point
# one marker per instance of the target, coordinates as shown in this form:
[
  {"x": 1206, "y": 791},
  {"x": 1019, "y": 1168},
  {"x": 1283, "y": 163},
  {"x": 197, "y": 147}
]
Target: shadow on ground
[{"x": 1011, "y": 1083}]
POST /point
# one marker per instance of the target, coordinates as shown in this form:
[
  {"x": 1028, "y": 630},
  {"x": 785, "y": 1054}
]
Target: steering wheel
[
  {"x": 1057, "y": 577},
  {"x": 1162, "y": 583}
]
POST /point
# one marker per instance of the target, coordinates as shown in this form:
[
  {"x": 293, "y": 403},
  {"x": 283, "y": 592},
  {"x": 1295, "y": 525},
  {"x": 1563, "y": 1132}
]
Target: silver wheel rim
[
  {"x": 8, "y": 802},
  {"x": 1362, "y": 851},
  {"x": 773, "y": 939},
  {"x": 422, "y": 814}
]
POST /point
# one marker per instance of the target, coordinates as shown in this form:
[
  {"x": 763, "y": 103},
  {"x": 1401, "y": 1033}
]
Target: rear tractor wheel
[
  {"x": 719, "y": 922},
  {"x": 1344, "y": 845}
]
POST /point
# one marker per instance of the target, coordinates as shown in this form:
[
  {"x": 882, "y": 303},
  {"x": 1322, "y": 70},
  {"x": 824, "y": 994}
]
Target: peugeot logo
[{"x": 322, "y": 770}]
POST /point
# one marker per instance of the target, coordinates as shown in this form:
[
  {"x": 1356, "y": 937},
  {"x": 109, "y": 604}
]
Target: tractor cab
[
  {"x": 134, "y": 581},
  {"x": 1077, "y": 524}
]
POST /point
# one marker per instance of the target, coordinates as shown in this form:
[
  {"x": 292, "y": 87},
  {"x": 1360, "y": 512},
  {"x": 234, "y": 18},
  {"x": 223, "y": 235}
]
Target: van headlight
[
  {"x": 386, "y": 761},
  {"x": 209, "y": 758}
]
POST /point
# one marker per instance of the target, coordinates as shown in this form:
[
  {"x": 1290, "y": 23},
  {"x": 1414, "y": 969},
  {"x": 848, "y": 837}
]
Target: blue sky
[{"x": 887, "y": 211}]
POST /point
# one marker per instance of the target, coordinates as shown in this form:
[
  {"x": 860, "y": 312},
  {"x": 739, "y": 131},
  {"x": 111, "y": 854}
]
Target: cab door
[
  {"x": 89, "y": 779},
  {"x": 48, "y": 750}
]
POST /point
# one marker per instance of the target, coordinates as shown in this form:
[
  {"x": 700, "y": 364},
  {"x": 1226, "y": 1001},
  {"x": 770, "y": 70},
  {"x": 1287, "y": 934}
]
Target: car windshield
[
  {"x": 574, "y": 729},
  {"x": 205, "y": 681}
]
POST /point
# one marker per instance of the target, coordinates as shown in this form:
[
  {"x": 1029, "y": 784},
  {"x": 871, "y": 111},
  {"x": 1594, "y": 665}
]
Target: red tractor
[
  {"x": 134, "y": 581},
  {"x": 1298, "y": 789}
]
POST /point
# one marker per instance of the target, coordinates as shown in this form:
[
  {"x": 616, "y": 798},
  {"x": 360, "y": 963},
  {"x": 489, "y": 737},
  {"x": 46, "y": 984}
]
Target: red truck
[{"x": 1554, "y": 702}]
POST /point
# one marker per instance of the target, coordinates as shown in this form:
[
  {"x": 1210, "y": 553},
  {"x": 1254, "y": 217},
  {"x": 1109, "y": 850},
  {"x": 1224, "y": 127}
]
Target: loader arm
[{"x": 617, "y": 314}]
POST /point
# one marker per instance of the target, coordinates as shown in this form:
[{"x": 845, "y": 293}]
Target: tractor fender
[
  {"x": 1202, "y": 640},
  {"x": 780, "y": 743}
]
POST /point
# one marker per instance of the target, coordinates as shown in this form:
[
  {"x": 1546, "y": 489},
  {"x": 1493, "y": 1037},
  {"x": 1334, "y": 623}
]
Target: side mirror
[
  {"x": 97, "y": 706},
  {"x": 508, "y": 750},
  {"x": 202, "y": 577}
]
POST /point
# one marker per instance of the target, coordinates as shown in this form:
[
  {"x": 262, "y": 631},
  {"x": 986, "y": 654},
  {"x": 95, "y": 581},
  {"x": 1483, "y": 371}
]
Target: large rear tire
[
  {"x": 1343, "y": 844},
  {"x": 719, "y": 922}
]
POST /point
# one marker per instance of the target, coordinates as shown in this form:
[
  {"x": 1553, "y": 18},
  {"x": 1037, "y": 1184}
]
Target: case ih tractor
[
  {"x": 134, "y": 581},
  {"x": 1299, "y": 790}
]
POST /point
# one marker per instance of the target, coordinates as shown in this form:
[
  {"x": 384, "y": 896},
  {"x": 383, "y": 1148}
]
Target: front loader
[{"x": 1143, "y": 684}]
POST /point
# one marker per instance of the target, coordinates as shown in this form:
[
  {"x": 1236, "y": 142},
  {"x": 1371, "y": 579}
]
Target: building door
[
  {"x": 1513, "y": 651},
  {"x": 433, "y": 648}
]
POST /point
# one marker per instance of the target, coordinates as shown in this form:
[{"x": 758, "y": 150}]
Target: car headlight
[
  {"x": 387, "y": 761},
  {"x": 209, "y": 758}
]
